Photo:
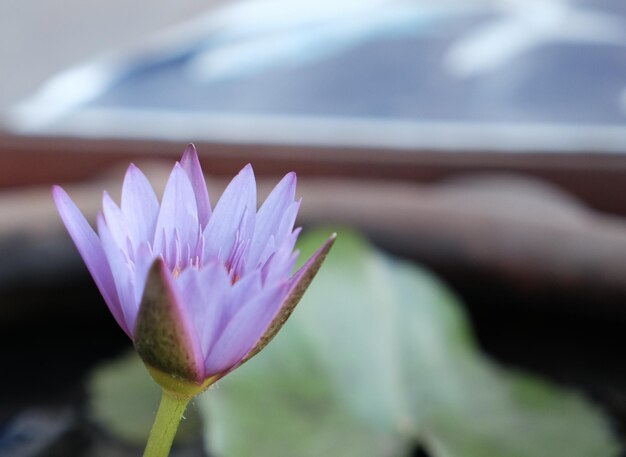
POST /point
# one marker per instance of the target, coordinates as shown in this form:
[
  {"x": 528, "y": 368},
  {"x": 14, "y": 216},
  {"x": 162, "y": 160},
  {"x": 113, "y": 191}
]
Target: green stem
[{"x": 165, "y": 425}]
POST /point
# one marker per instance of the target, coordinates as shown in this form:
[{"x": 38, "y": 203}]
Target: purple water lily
[{"x": 199, "y": 290}]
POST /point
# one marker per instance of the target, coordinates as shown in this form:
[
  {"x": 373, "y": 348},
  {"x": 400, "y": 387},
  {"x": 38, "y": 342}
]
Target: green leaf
[
  {"x": 282, "y": 407},
  {"x": 123, "y": 400},
  {"x": 379, "y": 357}
]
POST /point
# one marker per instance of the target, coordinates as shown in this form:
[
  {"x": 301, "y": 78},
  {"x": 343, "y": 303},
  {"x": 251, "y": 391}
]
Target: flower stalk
[{"x": 166, "y": 424}]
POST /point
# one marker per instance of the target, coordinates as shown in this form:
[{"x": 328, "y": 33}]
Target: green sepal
[
  {"x": 163, "y": 336},
  {"x": 177, "y": 387},
  {"x": 302, "y": 279}
]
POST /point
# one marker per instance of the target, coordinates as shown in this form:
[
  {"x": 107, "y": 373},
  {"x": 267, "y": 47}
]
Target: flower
[{"x": 198, "y": 290}]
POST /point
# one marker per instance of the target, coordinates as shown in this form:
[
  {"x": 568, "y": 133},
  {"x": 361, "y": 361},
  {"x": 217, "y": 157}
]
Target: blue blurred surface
[{"x": 556, "y": 63}]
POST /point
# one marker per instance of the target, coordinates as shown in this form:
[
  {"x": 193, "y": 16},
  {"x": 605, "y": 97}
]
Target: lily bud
[{"x": 198, "y": 290}]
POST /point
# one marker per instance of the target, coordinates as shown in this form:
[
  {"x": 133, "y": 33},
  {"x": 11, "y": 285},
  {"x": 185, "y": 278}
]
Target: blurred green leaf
[
  {"x": 377, "y": 357},
  {"x": 123, "y": 400}
]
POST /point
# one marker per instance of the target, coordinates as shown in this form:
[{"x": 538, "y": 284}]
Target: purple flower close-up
[{"x": 220, "y": 277}]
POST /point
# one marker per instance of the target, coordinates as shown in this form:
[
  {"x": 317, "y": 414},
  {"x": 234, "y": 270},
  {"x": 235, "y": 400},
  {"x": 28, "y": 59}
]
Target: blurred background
[{"x": 483, "y": 140}]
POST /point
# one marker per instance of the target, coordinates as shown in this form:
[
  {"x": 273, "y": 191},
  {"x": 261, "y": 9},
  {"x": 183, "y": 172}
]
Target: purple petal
[
  {"x": 144, "y": 258},
  {"x": 234, "y": 213},
  {"x": 90, "y": 249},
  {"x": 191, "y": 165},
  {"x": 164, "y": 335},
  {"x": 244, "y": 330},
  {"x": 205, "y": 294},
  {"x": 243, "y": 291},
  {"x": 139, "y": 205},
  {"x": 285, "y": 228},
  {"x": 281, "y": 263},
  {"x": 298, "y": 285},
  {"x": 116, "y": 221},
  {"x": 122, "y": 273},
  {"x": 178, "y": 214},
  {"x": 284, "y": 232},
  {"x": 270, "y": 216}
]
